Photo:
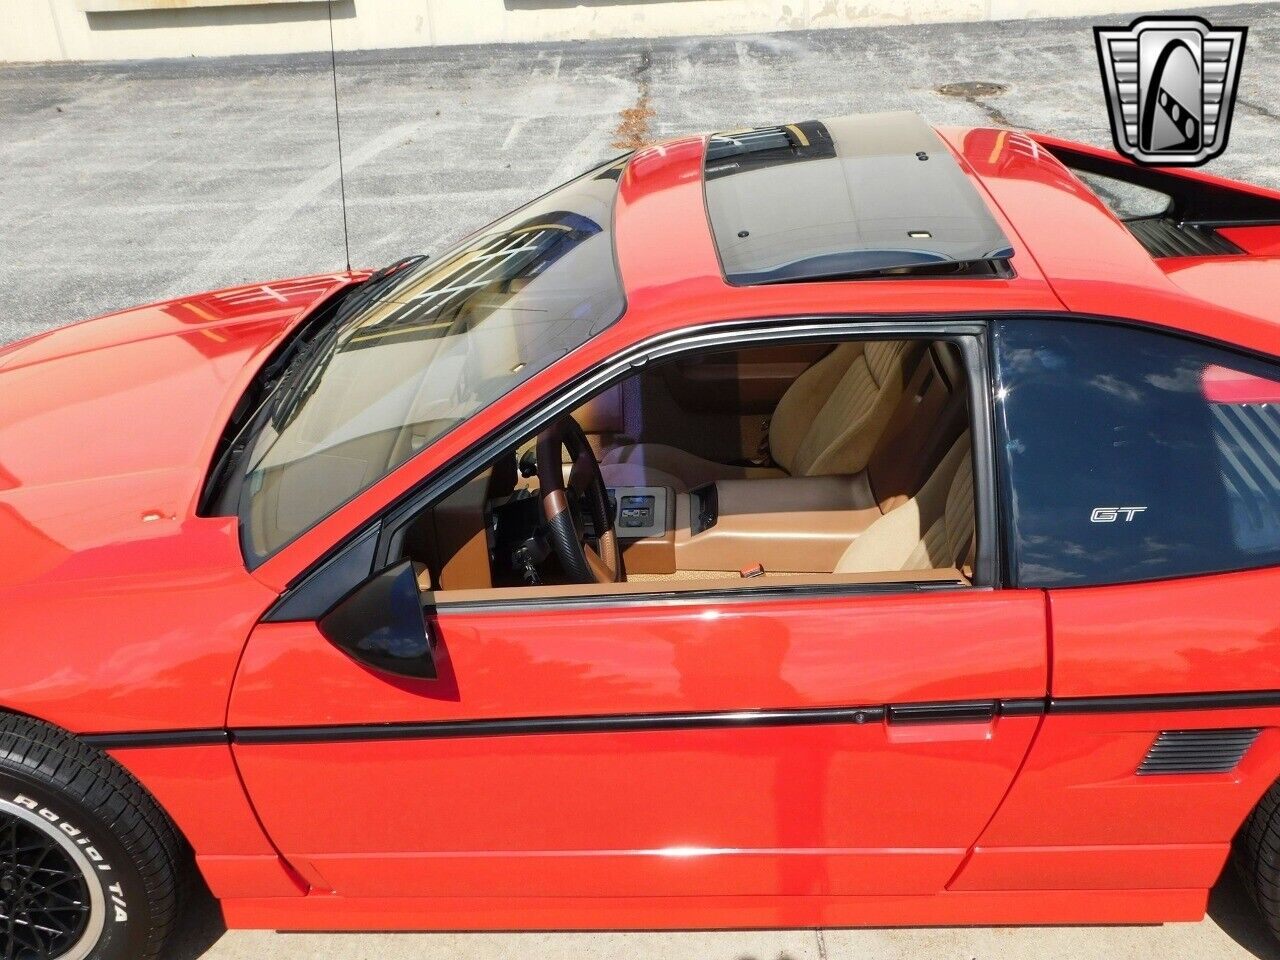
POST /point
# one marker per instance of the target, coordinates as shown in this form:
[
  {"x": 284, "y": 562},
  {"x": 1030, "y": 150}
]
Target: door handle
[
  {"x": 939, "y": 722},
  {"x": 973, "y": 711}
]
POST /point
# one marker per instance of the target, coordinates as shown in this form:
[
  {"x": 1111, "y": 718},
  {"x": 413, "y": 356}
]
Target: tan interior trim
[
  {"x": 453, "y": 541},
  {"x": 554, "y": 503},
  {"x": 444, "y": 599},
  {"x": 654, "y": 554},
  {"x": 792, "y": 524}
]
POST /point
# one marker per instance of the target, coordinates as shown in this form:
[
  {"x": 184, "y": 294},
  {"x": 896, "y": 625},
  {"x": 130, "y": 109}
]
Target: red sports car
[{"x": 837, "y": 523}]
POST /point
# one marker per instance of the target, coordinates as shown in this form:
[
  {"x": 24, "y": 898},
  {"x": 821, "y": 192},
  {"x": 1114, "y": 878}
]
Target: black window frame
[{"x": 329, "y": 578}]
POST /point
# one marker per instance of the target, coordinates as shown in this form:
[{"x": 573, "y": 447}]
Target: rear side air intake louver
[
  {"x": 1164, "y": 237},
  {"x": 1197, "y": 751}
]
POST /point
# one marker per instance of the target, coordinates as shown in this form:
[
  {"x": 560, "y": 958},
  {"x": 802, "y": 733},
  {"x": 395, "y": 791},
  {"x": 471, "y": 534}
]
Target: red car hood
[{"x": 107, "y": 427}]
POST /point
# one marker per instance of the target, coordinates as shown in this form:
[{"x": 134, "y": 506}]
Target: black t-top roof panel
[{"x": 871, "y": 195}]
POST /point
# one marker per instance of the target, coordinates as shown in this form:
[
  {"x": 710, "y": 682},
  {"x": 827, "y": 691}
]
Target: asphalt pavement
[
  {"x": 125, "y": 183},
  {"x": 128, "y": 183}
]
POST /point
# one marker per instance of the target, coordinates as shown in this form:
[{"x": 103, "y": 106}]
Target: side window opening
[
  {"x": 1134, "y": 455},
  {"x": 779, "y": 466},
  {"x": 1170, "y": 214},
  {"x": 1127, "y": 200}
]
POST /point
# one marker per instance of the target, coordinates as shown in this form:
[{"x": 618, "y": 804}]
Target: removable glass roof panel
[{"x": 862, "y": 196}]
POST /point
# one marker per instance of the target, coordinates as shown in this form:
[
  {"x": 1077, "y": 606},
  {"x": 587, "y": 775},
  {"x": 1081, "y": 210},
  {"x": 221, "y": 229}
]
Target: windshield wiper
[
  {"x": 366, "y": 290},
  {"x": 298, "y": 379}
]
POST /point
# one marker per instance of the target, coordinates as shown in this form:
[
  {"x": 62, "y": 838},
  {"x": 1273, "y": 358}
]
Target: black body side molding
[{"x": 957, "y": 711}]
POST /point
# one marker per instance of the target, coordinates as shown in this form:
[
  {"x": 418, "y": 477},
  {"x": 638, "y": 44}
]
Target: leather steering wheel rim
[{"x": 580, "y": 560}]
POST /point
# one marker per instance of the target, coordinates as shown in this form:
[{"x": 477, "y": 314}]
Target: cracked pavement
[{"x": 131, "y": 182}]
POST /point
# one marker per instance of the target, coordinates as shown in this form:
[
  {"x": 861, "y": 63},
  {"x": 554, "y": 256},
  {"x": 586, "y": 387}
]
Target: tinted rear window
[{"x": 1134, "y": 455}]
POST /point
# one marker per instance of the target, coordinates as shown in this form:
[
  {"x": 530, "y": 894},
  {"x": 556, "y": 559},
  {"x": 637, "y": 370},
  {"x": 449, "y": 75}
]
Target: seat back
[
  {"x": 931, "y": 413},
  {"x": 830, "y": 419},
  {"x": 934, "y": 529}
]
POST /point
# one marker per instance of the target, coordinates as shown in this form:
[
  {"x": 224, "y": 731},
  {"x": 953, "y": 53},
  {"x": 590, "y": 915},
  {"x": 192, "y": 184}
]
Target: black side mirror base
[{"x": 381, "y": 624}]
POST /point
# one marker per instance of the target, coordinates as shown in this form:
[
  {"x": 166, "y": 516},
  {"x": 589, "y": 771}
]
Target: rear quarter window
[{"x": 1132, "y": 455}]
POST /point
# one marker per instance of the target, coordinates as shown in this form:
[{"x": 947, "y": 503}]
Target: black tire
[
  {"x": 1257, "y": 857},
  {"x": 116, "y": 857}
]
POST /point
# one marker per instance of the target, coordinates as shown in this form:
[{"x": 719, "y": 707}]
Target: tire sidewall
[{"x": 125, "y": 922}]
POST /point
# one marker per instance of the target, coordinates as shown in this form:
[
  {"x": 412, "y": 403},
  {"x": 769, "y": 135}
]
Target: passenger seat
[
  {"x": 932, "y": 530},
  {"x": 828, "y": 422}
]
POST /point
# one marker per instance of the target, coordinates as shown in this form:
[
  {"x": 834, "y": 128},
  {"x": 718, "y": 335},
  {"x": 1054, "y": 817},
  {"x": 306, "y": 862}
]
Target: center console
[
  {"x": 640, "y": 511},
  {"x": 645, "y": 523},
  {"x": 787, "y": 524}
]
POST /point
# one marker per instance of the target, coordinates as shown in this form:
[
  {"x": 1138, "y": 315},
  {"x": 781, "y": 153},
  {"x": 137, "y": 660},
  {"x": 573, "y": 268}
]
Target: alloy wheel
[{"x": 51, "y": 901}]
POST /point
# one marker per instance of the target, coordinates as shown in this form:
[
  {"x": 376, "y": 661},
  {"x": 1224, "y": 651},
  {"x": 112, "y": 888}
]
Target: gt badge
[
  {"x": 1112, "y": 514},
  {"x": 1171, "y": 86}
]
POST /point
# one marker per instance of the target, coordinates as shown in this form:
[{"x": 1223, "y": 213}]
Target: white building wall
[{"x": 36, "y": 30}]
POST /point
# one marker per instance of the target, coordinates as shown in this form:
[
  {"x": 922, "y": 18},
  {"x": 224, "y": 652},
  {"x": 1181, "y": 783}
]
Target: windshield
[{"x": 424, "y": 349}]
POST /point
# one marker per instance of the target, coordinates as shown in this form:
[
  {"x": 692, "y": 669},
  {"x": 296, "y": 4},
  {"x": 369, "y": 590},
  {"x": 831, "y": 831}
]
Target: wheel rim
[{"x": 51, "y": 900}]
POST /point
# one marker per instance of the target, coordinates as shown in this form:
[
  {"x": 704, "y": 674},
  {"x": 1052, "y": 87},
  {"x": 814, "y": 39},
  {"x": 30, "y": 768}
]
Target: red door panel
[
  {"x": 790, "y": 811},
  {"x": 1080, "y": 816},
  {"x": 1199, "y": 635},
  {"x": 803, "y": 807},
  {"x": 655, "y": 657}
]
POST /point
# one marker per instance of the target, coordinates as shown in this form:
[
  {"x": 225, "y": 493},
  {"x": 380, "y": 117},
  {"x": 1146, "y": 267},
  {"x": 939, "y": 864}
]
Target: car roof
[
  {"x": 1069, "y": 253},
  {"x": 860, "y": 196}
]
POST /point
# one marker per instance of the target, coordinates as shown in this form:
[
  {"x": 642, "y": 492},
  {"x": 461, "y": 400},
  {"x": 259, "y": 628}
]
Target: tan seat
[
  {"x": 828, "y": 422},
  {"x": 932, "y": 530}
]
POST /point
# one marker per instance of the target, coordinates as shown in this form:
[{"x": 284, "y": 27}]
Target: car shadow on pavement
[
  {"x": 1232, "y": 910},
  {"x": 199, "y": 926}
]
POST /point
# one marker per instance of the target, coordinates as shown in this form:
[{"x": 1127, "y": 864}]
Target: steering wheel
[{"x": 582, "y": 561}]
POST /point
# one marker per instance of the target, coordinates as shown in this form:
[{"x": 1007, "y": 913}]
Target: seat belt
[{"x": 763, "y": 457}]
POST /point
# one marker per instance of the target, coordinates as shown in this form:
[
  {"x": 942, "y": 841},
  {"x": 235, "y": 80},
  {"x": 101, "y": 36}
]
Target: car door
[
  {"x": 788, "y": 745},
  {"x": 633, "y": 755}
]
